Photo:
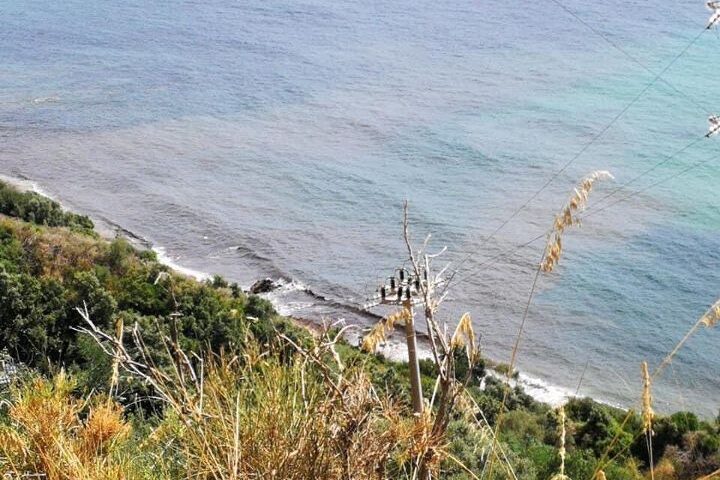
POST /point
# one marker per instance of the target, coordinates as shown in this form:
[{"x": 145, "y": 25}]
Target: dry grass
[
  {"x": 52, "y": 433},
  {"x": 709, "y": 319},
  {"x": 382, "y": 329},
  {"x": 250, "y": 417},
  {"x": 712, "y": 316},
  {"x": 269, "y": 420},
  {"x": 568, "y": 218},
  {"x": 647, "y": 411},
  {"x": 561, "y": 451},
  {"x": 648, "y": 415},
  {"x": 270, "y": 416}
]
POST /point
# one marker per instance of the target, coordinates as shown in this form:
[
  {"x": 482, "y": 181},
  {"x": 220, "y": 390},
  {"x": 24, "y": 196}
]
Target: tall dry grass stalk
[
  {"x": 647, "y": 411},
  {"x": 271, "y": 416},
  {"x": 383, "y": 328},
  {"x": 53, "y": 434},
  {"x": 568, "y": 218},
  {"x": 709, "y": 319},
  {"x": 561, "y": 452},
  {"x": 464, "y": 337},
  {"x": 549, "y": 260},
  {"x": 712, "y": 476},
  {"x": 648, "y": 415},
  {"x": 115, "y": 377}
]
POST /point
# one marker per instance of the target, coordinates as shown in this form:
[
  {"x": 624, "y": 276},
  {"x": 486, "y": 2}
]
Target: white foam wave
[
  {"x": 288, "y": 309},
  {"x": 50, "y": 99},
  {"x": 543, "y": 391},
  {"x": 25, "y": 185},
  {"x": 165, "y": 259}
]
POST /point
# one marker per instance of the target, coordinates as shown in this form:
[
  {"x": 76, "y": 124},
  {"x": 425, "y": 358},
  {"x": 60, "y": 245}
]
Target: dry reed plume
[
  {"x": 263, "y": 416},
  {"x": 50, "y": 433},
  {"x": 464, "y": 337},
  {"x": 709, "y": 319},
  {"x": 383, "y": 328},
  {"x": 561, "y": 452},
  {"x": 550, "y": 258},
  {"x": 648, "y": 415},
  {"x": 567, "y": 218},
  {"x": 647, "y": 410},
  {"x": 712, "y": 316}
]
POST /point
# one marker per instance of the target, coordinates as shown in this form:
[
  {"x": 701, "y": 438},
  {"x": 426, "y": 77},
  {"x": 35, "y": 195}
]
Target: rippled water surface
[{"x": 263, "y": 138}]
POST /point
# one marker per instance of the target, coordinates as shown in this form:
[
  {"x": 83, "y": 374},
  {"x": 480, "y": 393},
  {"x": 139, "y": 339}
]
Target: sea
[{"x": 263, "y": 138}]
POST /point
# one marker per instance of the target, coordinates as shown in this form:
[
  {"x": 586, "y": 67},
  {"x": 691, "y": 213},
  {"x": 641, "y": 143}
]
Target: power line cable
[
  {"x": 649, "y": 170},
  {"x": 591, "y": 211},
  {"x": 656, "y": 78},
  {"x": 627, "y": 54},
  {"x": 652, "y": 185}
]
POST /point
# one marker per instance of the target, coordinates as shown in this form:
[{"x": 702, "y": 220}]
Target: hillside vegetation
[{"x": 198, "y": 380}]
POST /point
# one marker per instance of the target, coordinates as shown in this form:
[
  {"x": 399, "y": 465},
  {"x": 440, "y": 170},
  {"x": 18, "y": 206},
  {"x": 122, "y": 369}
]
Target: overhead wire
[
  {"x": 656, "y": 77},
  {"x": 590, "y": 211},
  {"x": 633, "y": 59},
  {"x": 652, "y": 185},
  {"x": 649, "y": 170}
]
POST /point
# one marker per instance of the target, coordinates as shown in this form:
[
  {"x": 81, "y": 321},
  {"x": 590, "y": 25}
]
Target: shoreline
[{"x": 393, "y": 349}]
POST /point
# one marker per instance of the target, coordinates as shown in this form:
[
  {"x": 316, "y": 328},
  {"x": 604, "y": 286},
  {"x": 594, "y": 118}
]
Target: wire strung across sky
[
  {"x": 590, "y": 211},
  {"x": 652, "y": 185},
  {"x": 649, "y": 170},
  {"x": 633, "y": 59},
  {"x": 656, "y": 77}
]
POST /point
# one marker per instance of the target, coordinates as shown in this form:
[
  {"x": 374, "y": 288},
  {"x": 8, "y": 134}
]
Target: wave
[
  {"x": 43, "y": 100},
  {"x": 167, "y": 260},
  {"x": 25, "y": 184}
]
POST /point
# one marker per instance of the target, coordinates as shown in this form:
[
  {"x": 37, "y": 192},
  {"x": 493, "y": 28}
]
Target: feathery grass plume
[
  {"x": 115, "y": 378},
  {"x": 647, "y": 415},
  {"x": 382, "y": 329},
  {"x": 710, "y": 319},
  {"x": 464, "y": 336},
  {"x": 561, "y": 452},
  {"x": 712, "y": 316},
  {"x": 600, "y": 475},
  {"x": 647, "y": 411},
  {"x": 54, "y": 434},
  {"x": 567, "y": 218}
]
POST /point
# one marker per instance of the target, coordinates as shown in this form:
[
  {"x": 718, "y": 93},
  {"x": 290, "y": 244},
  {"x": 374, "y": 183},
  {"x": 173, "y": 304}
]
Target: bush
[{"x": 34, "y": 208}]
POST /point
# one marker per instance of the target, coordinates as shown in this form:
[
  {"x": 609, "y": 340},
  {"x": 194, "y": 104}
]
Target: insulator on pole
[
  {"x": 407, "y": 293},
  {"x": 417, "y": 284},
  {"x": 399, "y": 294},
  {"x": 425, "y": 275},
  {"x": 402, "y": 275},
  {"x": 383, "y": 293},
  {"x": 392, "y": 283}
]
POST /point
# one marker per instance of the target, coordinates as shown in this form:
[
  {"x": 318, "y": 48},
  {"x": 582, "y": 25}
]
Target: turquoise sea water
[{"x": 279, "y": 139}]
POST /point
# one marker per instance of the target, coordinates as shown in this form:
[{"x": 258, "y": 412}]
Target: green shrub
[{"x": 34, "y": 208}]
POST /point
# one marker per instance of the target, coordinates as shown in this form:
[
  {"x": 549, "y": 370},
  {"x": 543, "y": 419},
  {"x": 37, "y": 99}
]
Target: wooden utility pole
[
  {"x": 404, "y": 291},
  {"x": 413, "y": 362}
]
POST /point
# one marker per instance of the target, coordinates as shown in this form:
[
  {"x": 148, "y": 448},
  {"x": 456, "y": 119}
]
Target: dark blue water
[{"x": 279, "y": 139}]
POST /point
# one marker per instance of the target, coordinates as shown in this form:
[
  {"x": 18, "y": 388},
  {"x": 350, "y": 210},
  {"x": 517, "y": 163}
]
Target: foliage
[
  {"x": 66, "y": 438},
  {"x": 35, "y": 208},
  {"x": 284, "y": 414},
  {"x": 46, "y": 273}
]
